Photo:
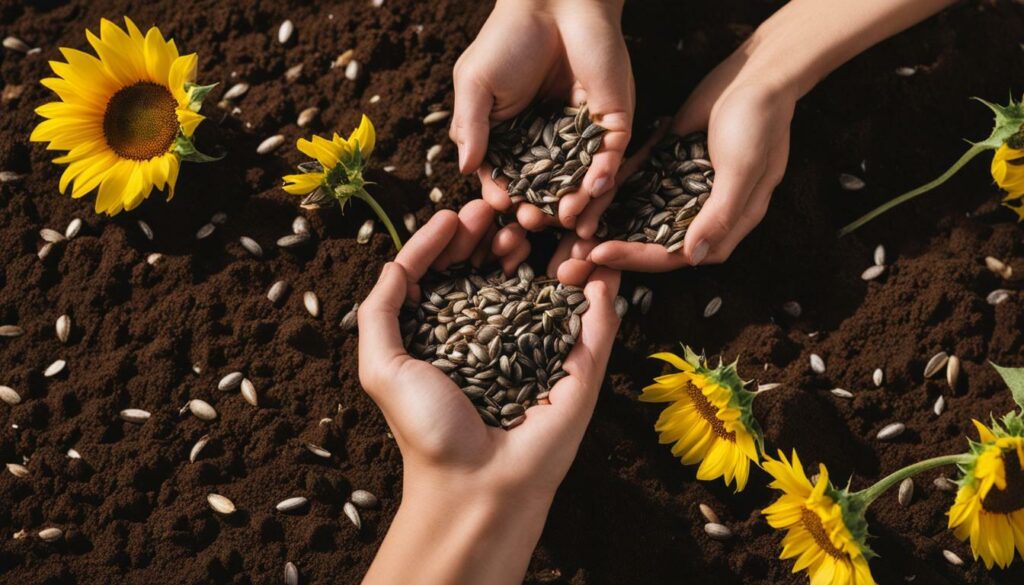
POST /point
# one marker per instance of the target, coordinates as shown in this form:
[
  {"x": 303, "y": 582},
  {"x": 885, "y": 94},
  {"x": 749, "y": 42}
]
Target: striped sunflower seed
[
  {"x": 11, "y": 331},
  {"x": 202, "y": 409},
  {"x": 906, "y": 492},
  {"x": 712, "y": 307},
  {"x": 135, "y": 415},
  {"x": 52, "y": 236},
  {"x": 365, "y": 232},
  {"x": 353, "y": 515},
  {"x": 291, "y": 574},
  {"x": 935, "y": 364},
  {"x": 17, "y": 470},
  {"x": 230, "y": 381},
  {"x": 363, "y": 499},
  {"x": 890, "y": 431},
  {"x": 63, "y": 328},
  {"x": 709, "y": 514},
  {"x": 291, "y": 504},
  {"x": 54, "y": 368},
  {"x": 351, "y": 319},
  {"x": 74, "y": 226},
  {"x": 718, "y": 531},
  {"x": 197, "y": 448},
  {"x": 277, "y": 291},
  {"x": 270, "y": 144},
  {"x": 953, "y": 371},
  {"x": 236, "y": 91},
  {"x": 251, "y": 246},
  {"x": 249, "y": 392},
  {"x": 312, "y": 303},
  {"x": 318, "y": 451},
  {"x": 307, "y": 116},
  {"x": 205, "y": 231},
  {"x": 146, "y": 230}
]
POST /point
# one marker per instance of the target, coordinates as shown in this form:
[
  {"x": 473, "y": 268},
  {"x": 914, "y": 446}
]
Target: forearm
[
  {"x": 807, "y": 39},
  {"x": 444, "y": 533}
]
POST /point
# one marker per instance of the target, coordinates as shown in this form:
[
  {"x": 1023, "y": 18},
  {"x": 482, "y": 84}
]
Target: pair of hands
[{"x": 573, "y": 50}]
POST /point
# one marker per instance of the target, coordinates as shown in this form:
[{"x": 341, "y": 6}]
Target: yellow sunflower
[
  {"x": 710, "y": 419},
  {"x": 989, "y": 506},
  {"x": 1008, "y": 172},
  {"x": 125, "y": 118},
  {"x": 826, "y": 543}
]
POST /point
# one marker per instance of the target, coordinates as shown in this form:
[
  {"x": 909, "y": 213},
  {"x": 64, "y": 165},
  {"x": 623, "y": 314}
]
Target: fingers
[
  {"x": 569, "y": 263},
  {"x": 380, "y": 341},
  {"x": 752, "y": 215},
  {"x": 511, "y": 247},
  {"x": 474, "y": 221},
  {"x": 637, "y": 257},
  {"x": 470, "y": 120},
  {"x": 494, "y": 194},
  {"x": 532, "y": 218},
  {"x": 425, "y": 246}
]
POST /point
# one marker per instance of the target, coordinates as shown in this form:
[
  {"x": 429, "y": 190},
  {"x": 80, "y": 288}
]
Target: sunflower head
[
  {"x": 825, "y": 532},
  {"x": 1008, "y": 172},
  {"x": 336, "y": 173},
  {"x": 125, "y": 118},
  {"x": 989, "y": 506},
  {"x": 709, "y": 420}
]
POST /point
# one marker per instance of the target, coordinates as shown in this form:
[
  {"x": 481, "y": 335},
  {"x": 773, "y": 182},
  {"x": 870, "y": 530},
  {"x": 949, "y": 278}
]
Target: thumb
[
  {"x": 380, "y": 341},
  {"x": 470, "y": 119}
]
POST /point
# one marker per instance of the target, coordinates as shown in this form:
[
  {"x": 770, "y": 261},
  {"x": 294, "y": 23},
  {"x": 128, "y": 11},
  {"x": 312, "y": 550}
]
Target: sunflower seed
[
  {"x": 11, "y": 331},
  {"x": 436, "y": 195},
  {"x": 353, "y": 70},
  {"x": 20, "y": 535},
  {"x": 291, "y": 574},
  {"x": 251, "y": 246},
  {"x": 153, "y": 258},
  {"x": 363, "y": 499},
  {"x": 435, "y": 117},
  {"x": 50, "y": 534},
  {"x": 146, "y": 230},
  {"x": 878, "y": 377},
  {"x": 16, "y": 44},
  {"x": 219, "y": 218},
  {"x": 936, "y": 363},
  {"x": 817, "y": 364},
  {"x": 198, "y": 448},
  {"x": 44, "y": 251},
  {"x": 712, "y": 307},
  {"x": 249, "y": 392},
  {"x": 839, "y": 392},
  {"x": 709, "y": 514},
  {"x": 292, "y": 240},
  {"x": 905, "y": 71},
  {"x": 63, "y": 327},
  {"x": 52, "y": 236},
  {"x": 205, "y": 231},
  {"x": 10, "y": 176},
  {"x": 17, "y": 470},
  {"x": 353, "y": 515},
  {"x": 891, "y": 431},
  {"x": 202, "y": 409},
  {"x": 945, "y": 484},
  {"x": 952, "y": 558},
  {"x": 940, "y": 405},
  {"x": 621, "y": 306},
  {"x": 291, "y": 504},
  {"x": 230, "y": 381},
  {"x": 953, "y": 371},
  {"x": 135, "y": 415},
  {"x": 997, "y": 296},
  {"x": 374, "y": 98},
  {"x": 872, "y": 272},
  {"x": 220, "y": 504},
  {"x": 365, "y": 232},
  {"x": 74, "y": 226},
  {"x": 351, "y": 319},
  {"x": 769, "y": 386},
  {"x": 318, "y": 451},
  {"x": 792, "y": 308},
  {"x": 343, "y": 59},
  {"x": 54, "y": 368},
  {"x": 880, "y": 255},
  {"x": 9, "y": 395},
  {"x": 284, "y": 32},
  {"x": 312, "y": 303},
  {"x": 307, "y": 116},
  {"x": 270, "y": 144},
  {"x": 718, "y": 531},
  {"x": 74, "y": 454},
  {"x": 292, "y": 74},
  {"x": 998, "y": 267},
  {"x": 433, "y": 152},
  {"x": 851, "y": 182},
  {"x": 410, "y": 222},
  {"x": 906, "y": 492},
  {"x": 236, "y": 91},
  {"x": 276, "y": 293}
]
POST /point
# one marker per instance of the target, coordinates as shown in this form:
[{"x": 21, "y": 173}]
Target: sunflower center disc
[
  {"x": 1012, "y": 498},
  {"x": 813, "y": 524},
  {"x": 708, "y": 412},
  {"x": 141, "y": 121}
]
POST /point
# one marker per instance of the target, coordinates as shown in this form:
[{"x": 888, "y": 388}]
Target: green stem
[
  {"x": 366, "y": 197},
  {"x": 972, "y": 152},
  {"x": 865, "y": 497}
]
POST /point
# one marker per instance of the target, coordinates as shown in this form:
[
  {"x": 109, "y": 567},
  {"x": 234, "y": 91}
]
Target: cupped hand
[
  {"x": 438, "y": 431},
  {"x": 567, "y": 50}
]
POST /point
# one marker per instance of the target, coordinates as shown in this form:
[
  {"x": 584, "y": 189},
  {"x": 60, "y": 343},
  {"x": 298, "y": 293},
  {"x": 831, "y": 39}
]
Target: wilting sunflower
[
  {"x": 336, "y": 173},
  {"x": 125, "y": 118},
  {"x": 710, "y": 419},
  {"x": 825, "y": 539},
  {"x": 989, "y": 506}
]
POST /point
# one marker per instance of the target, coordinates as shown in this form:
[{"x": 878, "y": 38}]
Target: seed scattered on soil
[
  {"x": 17, "y": 470},
  {"x": 544, "y": 153},
  {"x": 135, "y": 415},
  {"x": 817, "y": 364},
  {"x": 312, "y": 303},
  {"x": 878, "y": 377},
  {"x": 792, "y": 308},
  {"x": 10, "y": 176},
  {"x": 63, "y": 328},
  {"x": 353, "y": 70},
  {"x": 307, "y": 116},
  {"x": 146, "y": 230},
  {"x": 905, "y": 71},
  {"x": 940, "y": 405},
  {"x": 935, "y": 364},
  {"x": 880, "y": 255},
  {"x": 236, "y": 91},
  {"x": 952, "y": 558},
  {"x": 409, "y": 220},
  {"x": 51, "y": 534},
  {"x": 291, "y": 574},
  {"x": 74, "y": 454},
  {"x": 953, "y": 371},
  {"x": 270, "y": 144},
  {"x": 16, "y": 44},
  {"x": 945, "y": 484},
  {"x": 318, "y": 451},
  {"x": 435, "y": 117},
  {"x": 998, "y": 296},
  {"x": 712, "y": 307},
  {"x": 74, "y": 226},
  {"x": 621, "y": 306},
  {"x": 293, "y": 240},
  {"x": 11, "y": 331},
  {"x": 906, "y": 492},
  {"x": 249, "y": 392},
  {"x": 841, "y": 393},
  {"x": 436, "y": 195},
  {"x": 292, "y": 74},
  {"x": 998, "y": 267},
  {"x": 52, "y": 236},
  {"x": 709, "y": 514},
  {"x": 202, "y": 409},
  {"x": 277, "y": 291},
  {"x": 153, "y": 258},
  {"x": 291, "y": 504},
  {"x": 300, "y": 225},
  {"x": 851, "y": 182},
  {"x": 364, "y": 499},
  {"x": 9, "y": 395},
  {"x": 205, "y": 231},
  {"x": 891, "y": 431},
  {"x": 872, "y": 272},
  {"x": 220, "y": 504},
  {"x": 54, "y": 368},
  {"x": 284, "y": 32},
  {"x": 251, "y": 246},
  {"x": 44, "y": 251},
  {"x": 351, "y": 319},
  {"x": 198, "y": 448},
  {"x": 718, "y": 531},
  {"x": 365, "y": 232},
  {"x": 353, "y": 515},
  {"x": 642, "y": 298},
  {"x": 230, "y": 381},
  {"x": 769, "y": 386}
]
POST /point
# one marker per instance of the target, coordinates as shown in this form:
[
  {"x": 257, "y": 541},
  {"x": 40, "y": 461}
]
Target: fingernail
[
  {"x": 384, "y": 271},
  {"x": 462, "y": 158},
  {"x": 600, "y": 184},
  {"x": 700, "y": 252}
]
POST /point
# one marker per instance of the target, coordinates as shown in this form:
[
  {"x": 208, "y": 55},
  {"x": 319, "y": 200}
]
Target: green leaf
[
  {"x": 196, "y": 95},
  {"x": 1014, "y": 378},
  {"x": 186, "y": 151}
]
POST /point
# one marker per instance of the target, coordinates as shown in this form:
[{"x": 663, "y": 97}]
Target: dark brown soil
[{"x": 134, "y": 509}]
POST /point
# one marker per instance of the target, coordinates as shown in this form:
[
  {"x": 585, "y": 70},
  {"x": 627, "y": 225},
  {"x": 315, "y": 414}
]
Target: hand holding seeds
[
  {"x": 530, "y": 51},
  {"x": 456, "y": 467}
]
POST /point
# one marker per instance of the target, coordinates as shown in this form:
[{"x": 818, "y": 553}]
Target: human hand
[
  {"x": 474, "y": 497},
  {"x": 569, "y": 50}
]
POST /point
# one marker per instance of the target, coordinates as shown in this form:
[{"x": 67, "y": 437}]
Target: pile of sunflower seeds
[
  {"x": 657, "y": 204},
  {"x": 503, "y": 341},
  {"x": 544, "y": 154}
]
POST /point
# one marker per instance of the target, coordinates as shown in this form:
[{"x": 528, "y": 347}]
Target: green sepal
[
  {"x": 196, "y": 94},
  {"x": 187, "y": 151},
  {"x": 853, "y": 517},
  {"x": 1014, "y": 378}
]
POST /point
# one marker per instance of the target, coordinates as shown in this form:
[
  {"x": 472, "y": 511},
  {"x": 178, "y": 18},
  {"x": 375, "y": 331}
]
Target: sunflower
[
  {"x": 820, "y": 534},
  {"x": 710, "y": 419},
  {"x": 336, "y": 173},
  {"x": 989, "y": 506},
  {"x": 1008, "y": 172},
  {"x": 125, "y": 118}
]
